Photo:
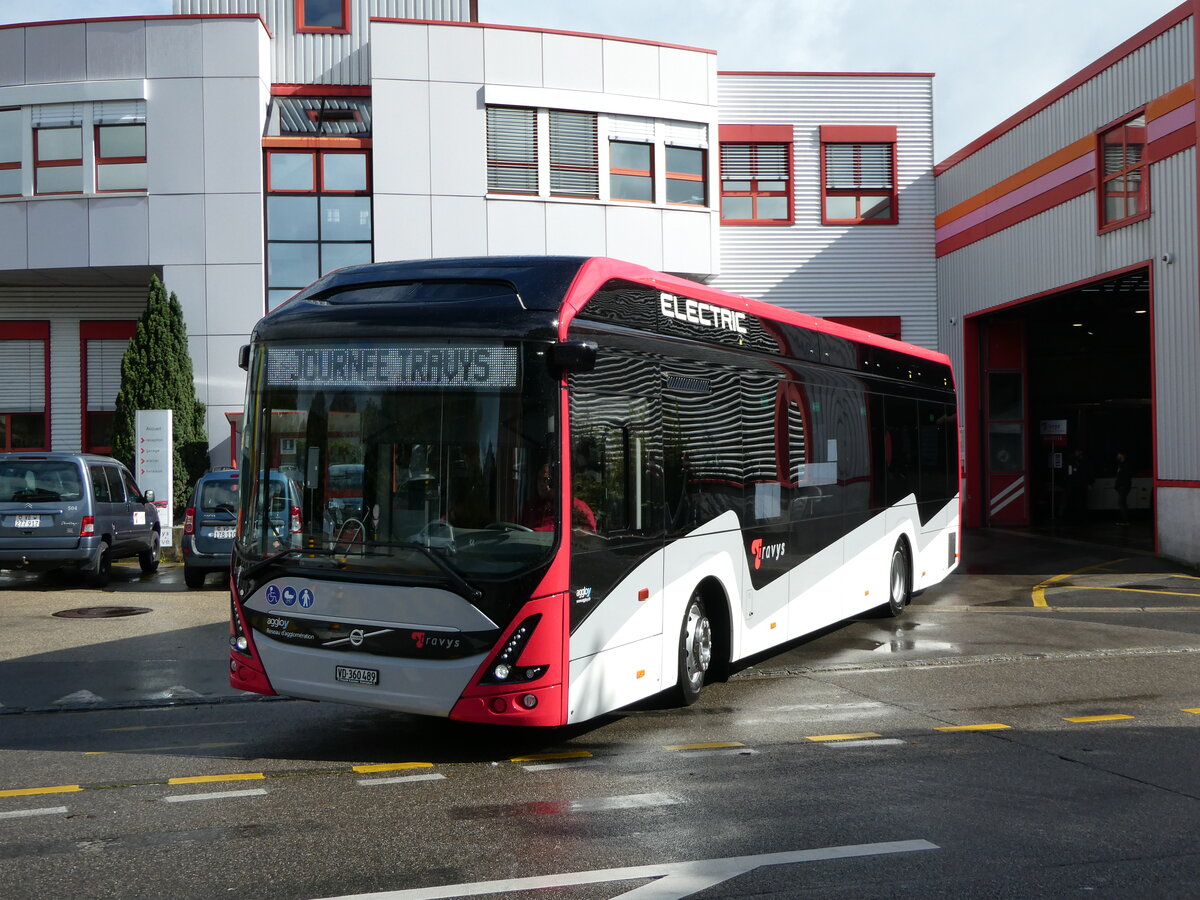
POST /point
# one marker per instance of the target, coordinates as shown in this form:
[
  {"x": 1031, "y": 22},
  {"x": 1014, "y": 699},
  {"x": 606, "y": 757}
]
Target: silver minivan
[{"x": 74, "y": 511}]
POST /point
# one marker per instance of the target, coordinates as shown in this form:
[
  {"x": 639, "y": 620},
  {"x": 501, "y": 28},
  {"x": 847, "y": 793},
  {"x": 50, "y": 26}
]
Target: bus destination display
[{"x": 395, "y": 366}]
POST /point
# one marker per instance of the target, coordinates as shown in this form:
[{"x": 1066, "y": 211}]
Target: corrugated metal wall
[
  {"x": 326, "y": 58},
  {"x": 1151, "y": 71},
  {"x": 838, "y": 270},
  {"x": 63, "y": 308}
]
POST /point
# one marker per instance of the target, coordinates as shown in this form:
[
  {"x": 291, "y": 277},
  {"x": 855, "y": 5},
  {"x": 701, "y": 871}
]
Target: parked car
[
  {"x": 74, "y": 511},
  {"x": 210, "y": 525}
]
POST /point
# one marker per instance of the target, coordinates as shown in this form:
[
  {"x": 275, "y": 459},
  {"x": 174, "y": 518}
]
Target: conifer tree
[{"x": 156, "y": 373}]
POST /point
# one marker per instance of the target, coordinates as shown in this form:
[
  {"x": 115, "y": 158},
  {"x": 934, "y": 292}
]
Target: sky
[{"x": 990, "y": 58}]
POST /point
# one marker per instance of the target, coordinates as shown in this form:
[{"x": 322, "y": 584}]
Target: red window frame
[
  {"x": 29, "y": 331},
  {"x": 116, "y": 160},
  {"x": 501, "y": 164},
  {"x": 14, "y": 164},
  {"x": 859, "y": 135},
  {"x": 39, "y": 164},
  {"x": 638, "y": 173},
  {"x": 303, "y": 28},
  {"x": 702, "y": 178},
  {"x": 1124, "y": 130},
  {"x": 96, "y": 331},
  {"x": 756, "y": 136}
]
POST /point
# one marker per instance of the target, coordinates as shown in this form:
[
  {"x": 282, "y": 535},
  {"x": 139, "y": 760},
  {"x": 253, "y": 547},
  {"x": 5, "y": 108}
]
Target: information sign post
[{"x": 155, "y": 441}]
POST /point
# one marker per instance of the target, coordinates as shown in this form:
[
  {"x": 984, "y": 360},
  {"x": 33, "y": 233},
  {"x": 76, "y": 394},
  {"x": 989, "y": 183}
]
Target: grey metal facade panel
[
  {"x": 886, "y": 270},
  {"x": 326, "y": 58},
  {"x": 1149, "y": 72}
]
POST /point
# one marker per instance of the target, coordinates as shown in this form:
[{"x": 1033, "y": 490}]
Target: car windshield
[
  {"x": 219, "y": 496},
  {"x": 379, "y": 457},
  {"x": 39, "y": 481}
]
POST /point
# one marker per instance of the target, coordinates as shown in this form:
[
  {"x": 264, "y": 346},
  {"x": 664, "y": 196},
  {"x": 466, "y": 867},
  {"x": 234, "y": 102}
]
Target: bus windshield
[{"x": 399, "y": 458}]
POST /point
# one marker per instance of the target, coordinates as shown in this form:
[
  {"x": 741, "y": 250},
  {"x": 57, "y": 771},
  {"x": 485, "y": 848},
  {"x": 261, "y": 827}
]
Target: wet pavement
[{"x": 1020, "y": 594}]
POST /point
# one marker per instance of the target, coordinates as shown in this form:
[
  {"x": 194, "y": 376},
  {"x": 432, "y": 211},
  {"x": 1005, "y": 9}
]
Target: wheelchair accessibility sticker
[{"x": 290, "y": 596}]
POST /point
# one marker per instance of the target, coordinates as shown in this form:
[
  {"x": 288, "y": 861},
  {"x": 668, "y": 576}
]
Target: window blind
[
  {"x": 119, "y": 112},
  {"x": 22, "y": 376},
  {"x": 631, "y": 128},
  {"x": 57, "y": 115},
  {"x": 573, "y": 160},
  {"x": 685, "y": 134},
  {"x": 747, "y": 162},
  {"x": 512, "y": 150},
  {"x": 858, "y": 166},
  {"x": 104, "y": 373}
]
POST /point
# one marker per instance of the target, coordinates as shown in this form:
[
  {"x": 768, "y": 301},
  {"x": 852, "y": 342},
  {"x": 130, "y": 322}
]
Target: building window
[
  {"x": 58, "y": 160},
  {"x": 631, "y": 169},
  {"x": 10, "y": 152},
  {"x": 323, "y": 16},
  {"x": 512, "y": 150},
  {"x": 1125, "y": 194},
  {"x": 574, "y": 169},
  {"x": 756, "y": 184},
  {"x": 120, "y": 158},
  {"x": 24, "y": 386},
  {"x": 328, "y": 116},
  {"x": 686, "y": 168},
  {"x": 102, "y": 347},
  {"x": 858, "y": 175},
  {"x": 319, "y": 216}
]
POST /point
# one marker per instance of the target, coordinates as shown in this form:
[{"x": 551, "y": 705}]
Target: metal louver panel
[
  {"x": 854, "y": 166},
  {"x": 22, "y": 376},
  {"x": 119, "y": 112},
  {"x": 746, "y": 162},
  {"x": 57, "y": 115},
  {"x": 512, "y": 150},
  {"x": 573, "y": 160},
  {"x": 104, "y": 373}
]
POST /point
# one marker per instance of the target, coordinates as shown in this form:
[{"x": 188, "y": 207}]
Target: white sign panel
[{"x": 154, "y": 438}]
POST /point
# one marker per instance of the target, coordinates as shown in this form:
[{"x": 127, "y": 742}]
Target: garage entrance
[{"x": 1064, "y": 384}]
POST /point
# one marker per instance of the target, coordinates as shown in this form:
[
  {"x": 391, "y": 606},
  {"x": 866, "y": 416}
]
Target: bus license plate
[
  {"x": 29, "y": 522},
  {"x": 353, "y": 675}
]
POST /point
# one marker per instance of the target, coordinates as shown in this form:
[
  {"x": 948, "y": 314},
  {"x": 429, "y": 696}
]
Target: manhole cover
[{"x": 102, "y": 612}]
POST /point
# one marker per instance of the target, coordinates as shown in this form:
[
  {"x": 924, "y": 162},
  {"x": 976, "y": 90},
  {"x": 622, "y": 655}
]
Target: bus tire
[
  {"x": 899, "y": 581},
  {"x": 695, "y": 650}
]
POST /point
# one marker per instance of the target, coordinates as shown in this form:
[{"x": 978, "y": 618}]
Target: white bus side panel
[{"x": 615, "y": 678}]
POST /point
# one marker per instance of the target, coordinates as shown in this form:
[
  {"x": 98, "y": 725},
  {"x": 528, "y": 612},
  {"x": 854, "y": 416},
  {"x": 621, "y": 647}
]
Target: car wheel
[
  {"x": 148, "y": 559},
  {"x": 193, "y": 578},
  {"x": 102, "y": 569},
  {"x": 695, "y": 651},
  {"x": 899, "y": 581}
]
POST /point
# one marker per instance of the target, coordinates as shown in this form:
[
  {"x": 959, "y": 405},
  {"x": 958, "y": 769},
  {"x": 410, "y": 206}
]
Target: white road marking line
[
  {"x": 26, "y": 813},
  {"x": 877, "y": 742},
  {"x": 720, "y": 751},
  {"x": 370, "y": 782},
  {"x": 220, "y": 795},
  {"x": 628, "y": 801},
  {"x": 677, "y": 880},
  {"x": 569, "y": 764}
]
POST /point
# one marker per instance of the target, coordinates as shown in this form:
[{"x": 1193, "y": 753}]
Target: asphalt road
[{"x": 1029, "y": 728}]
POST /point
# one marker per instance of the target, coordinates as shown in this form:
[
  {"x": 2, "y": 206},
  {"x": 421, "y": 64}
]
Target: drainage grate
[{"x": 102, "y": 612}]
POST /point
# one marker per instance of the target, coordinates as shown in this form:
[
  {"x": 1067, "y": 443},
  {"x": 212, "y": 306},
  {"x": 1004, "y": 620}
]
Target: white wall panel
[
  {"x": 116, "y": 50},
  {"x": 233, "y": 228},
  {"x": 174, "y": 49},
  {"x": 118, "y": 231},
  {"x": 175, "y": 135},
  {"x": 399, "y": 53},
  {"x": 226, "y": 382},
  {"x": 234, "y": 300},
  {"x": 512, "y": 57},
  {"x": 58, "y": 233},
  {"x": 683, "y": 75},
  {"x": 12, "y": 56},
  {"x": 459, "y": 226},
  {"x": 232, "y": 110},
  {"x": 687, "y": 241},
  {"x": 188, "y": 283},
  {"x": 631, "y": 69},
  {"x": 401, "y": 136},
  {"x": 455, "y": 53},
  {"x": 14, "y": 247},
  {"x": 177, "y": 229},
  {"x": 576, "y": 229},
  {"x": 457, "y": 139},
  {"x": 572, "y": 63},
  {"x": 55, "y": 53},
  {"x": 231, "y": 48},
  {"x": 516, "y": 228},
  {"x": 635, "y": 234},
  {"x": 403, "y": 227}
]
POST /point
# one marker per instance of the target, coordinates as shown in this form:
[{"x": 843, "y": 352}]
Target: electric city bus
[{"x": 577, "y": 483}]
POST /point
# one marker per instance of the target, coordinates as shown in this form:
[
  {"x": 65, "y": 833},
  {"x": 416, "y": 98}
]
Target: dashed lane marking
[
  {"x": 710, "y": 745},
  {"x": 1195, "y": 711},
  {"x": 547, "y": 757},
  {"x": 172, "y": 725},
  {"x": 869, "y": 742},
  {"x": 208, "y": 779},
  {"x": 390, "y": 767},
  {"x": 217, "y": 746},
  {"x": 220, "y": 795},
  {"x": 1114, "y": 717},
  {"x": 401, "y": 779},
  {"x": 990, "y": 726},
  {"x": 29, "y": 792},
  {"x": 565, "y": 764},
  {"x": 28, "y": 813},
  {"x": 862, "y": 735}
]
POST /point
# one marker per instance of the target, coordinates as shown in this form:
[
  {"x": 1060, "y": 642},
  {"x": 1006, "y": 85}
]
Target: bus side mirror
[
  {"x": 244, "y": 357},
  {"x": 573, "y": 356}
]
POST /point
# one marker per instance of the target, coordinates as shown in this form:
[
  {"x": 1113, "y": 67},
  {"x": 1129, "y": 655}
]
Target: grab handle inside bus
[{"x": 573, "y": 356}]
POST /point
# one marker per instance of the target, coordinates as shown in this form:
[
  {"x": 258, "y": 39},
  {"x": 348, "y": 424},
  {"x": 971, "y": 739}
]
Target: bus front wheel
[
  {"x": 899, "y": 581},
  {"x": 695, "y": 650}
]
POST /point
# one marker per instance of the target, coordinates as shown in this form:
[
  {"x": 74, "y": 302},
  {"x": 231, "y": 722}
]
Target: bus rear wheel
[
  {"x": 695, "y": 650},
  {"x": 899, "y": 581}
]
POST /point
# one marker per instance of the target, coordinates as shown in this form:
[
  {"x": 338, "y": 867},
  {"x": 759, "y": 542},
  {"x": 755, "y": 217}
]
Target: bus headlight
[{"x": 501, "y": 672}]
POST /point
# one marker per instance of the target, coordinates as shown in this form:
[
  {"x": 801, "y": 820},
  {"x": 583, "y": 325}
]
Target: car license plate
[
  {"x": 224, "y": 534},
  {"x": 353, "y": 675},
  {"x": 29, "y": 522}
]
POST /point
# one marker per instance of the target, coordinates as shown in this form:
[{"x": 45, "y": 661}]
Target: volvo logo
[{"x": 356, "y": 637}]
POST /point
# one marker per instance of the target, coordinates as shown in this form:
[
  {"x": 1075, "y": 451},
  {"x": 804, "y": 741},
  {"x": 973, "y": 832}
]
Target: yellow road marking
[
  {"x": 29, "y": 792},
  {"x": 844, "y": 737},
  {"x": 715, "y": 745},
  {"x": 1193, "y": 711},
  {"x": 162, "y": 749},
  {"x": 1039, "y": 591},
  {"x": 180, "y": 725},
  {"x": 1129, "y": 590},
  {"x": 205, "y": 779},
  {"x": 992, "y": 726},
  {"x": 541, "y": 757},
  {"x": 1112, "y": 718},
  {"x": 391, "y": 767}
]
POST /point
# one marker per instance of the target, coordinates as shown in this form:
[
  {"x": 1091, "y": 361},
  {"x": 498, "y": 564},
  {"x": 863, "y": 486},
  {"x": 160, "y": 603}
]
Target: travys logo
[{"x": 763, "y": 551}]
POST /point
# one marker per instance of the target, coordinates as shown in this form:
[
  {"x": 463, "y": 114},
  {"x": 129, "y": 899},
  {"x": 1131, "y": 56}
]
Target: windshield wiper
[
  {"x": 473, "y": 593},
  {"x": 255, "y": 568}
]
